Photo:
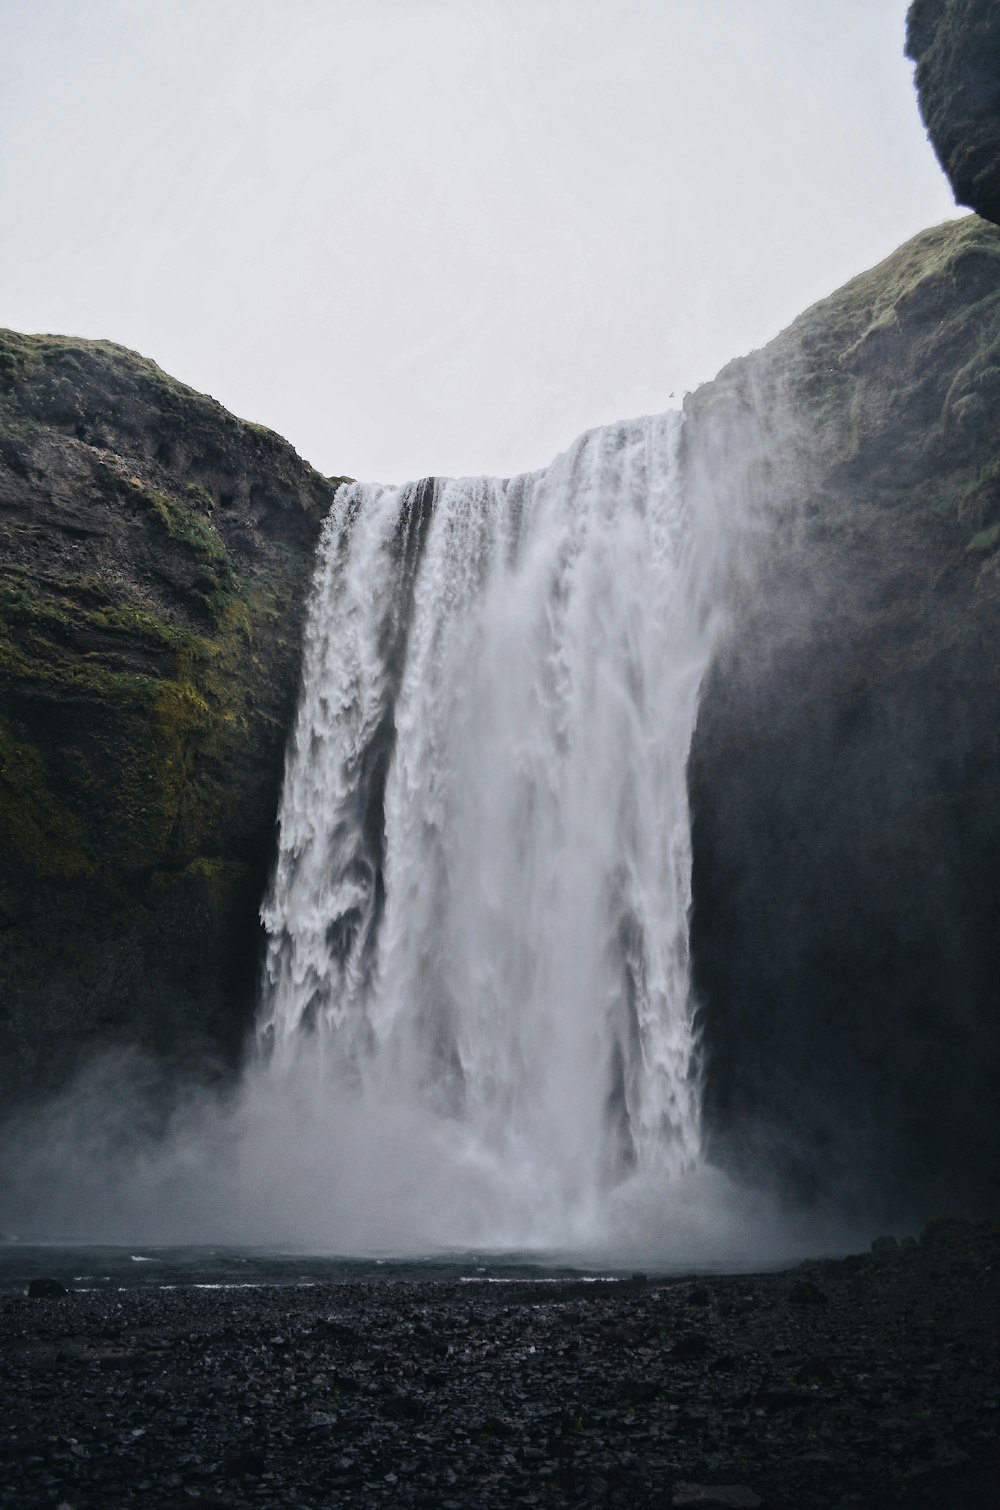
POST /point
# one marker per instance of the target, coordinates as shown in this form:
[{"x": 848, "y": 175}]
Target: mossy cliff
[
  {"x": 845, "y": 775},
  {"x": 956, "y": 47},
  {"x": 155, "y": 554}
]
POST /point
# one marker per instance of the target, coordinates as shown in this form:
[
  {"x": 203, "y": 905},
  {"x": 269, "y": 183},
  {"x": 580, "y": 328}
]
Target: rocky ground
[{"x": 865, "y": 1382}]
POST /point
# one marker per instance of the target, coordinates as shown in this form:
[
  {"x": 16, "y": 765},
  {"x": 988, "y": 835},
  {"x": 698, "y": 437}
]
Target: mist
[{"x": 283, "y": 1165}]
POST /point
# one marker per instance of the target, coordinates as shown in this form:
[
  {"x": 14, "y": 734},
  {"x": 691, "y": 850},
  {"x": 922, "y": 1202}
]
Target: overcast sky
[{"x": 448, "y": 235}]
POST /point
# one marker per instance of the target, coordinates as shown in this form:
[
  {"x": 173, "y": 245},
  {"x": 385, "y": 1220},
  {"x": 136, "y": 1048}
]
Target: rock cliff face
[
  {"x": 155, "y": 559},
  {"x": 956, "y": 47},
  {"x": 845, "y": 775}
]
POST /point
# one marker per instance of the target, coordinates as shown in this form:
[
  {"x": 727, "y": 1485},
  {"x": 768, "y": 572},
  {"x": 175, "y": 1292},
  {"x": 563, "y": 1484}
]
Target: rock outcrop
[
  {"x": 156, "y": 553},
  {"x": 845, "y": 774},
  {"x": 956, "y": 47}
]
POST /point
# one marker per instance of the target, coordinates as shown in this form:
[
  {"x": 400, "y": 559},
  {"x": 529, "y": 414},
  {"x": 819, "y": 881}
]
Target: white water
[
  {"x": 476, "y": 1031},
  {"x": 477, "y": 980}
]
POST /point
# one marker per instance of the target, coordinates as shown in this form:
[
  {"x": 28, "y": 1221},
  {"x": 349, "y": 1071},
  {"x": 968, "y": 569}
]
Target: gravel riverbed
[{"x": 863, "y": 1382}]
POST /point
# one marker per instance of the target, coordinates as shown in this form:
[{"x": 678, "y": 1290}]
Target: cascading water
[{"x": 479, "y": 912}]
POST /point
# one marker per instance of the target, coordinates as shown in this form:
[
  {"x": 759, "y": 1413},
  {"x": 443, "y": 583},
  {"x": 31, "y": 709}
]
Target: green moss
[
  {"x": 22, "y": 602},
  {"x": 138, "y": 737},
  {"x": 200, "y": 497},
  {"x": 154, "y": 753},
  {"x": 893, "y": 291},
  {"x": 183, "y": 523},
  {"x": 143, "y": 625},
  {"x": 947, "y": 505},
  {"x": 263, "y": 432},
  {"x": 218, "y": 884},
  {"x": 985, "y": 540},
  {"x": 38, "y": 828},
  {"x": 28, "y": 356}
]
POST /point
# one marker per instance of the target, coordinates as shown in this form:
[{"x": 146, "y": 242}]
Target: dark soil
[{"x": 869, "y": 1381}]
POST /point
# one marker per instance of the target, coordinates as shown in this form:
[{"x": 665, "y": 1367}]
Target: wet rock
[
  {"x": 871, "y": 1398},
  {"x": 124, "y": 1363},
  {"x": 46, "y": 1289},
  {"x": 813, "y": 1371},
  {"x": 781, "y": 1399},
  {"x": 955, "y": 44},
  {"x": 805, "y": 1293},
  {"x": 403, "y": 1408},
  {"x": 690, "y": 1349},
  {"x": 951, "y": 1235},
  {"x": 244, "y": 1463},
  {"x": 717, "y": 1496},
  {"x": 498, "y": 1426},
  {"x": 334, "y": 1330}
]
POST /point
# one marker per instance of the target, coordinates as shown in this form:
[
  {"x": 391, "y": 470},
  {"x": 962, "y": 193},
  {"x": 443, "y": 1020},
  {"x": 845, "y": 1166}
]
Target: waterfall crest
[{"x": 480, "y": 904}]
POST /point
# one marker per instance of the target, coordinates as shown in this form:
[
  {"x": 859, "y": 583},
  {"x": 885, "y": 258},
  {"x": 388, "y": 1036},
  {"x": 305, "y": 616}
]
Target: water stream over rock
[{"x": 480, "y": 907}]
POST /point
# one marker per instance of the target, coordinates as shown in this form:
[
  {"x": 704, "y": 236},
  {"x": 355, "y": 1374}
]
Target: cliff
[
  {"x": 845, "y": 774},
  {"x": 156, "y": 553},
  {"x": 844, "y": 777},
  {"x": 956, "y": 47}
]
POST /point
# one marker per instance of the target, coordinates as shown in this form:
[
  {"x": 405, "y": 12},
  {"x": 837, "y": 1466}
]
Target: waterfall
[{"x": 479, "y": 910}]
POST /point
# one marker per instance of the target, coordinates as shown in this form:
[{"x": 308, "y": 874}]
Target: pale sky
[{"x": 447, "y": 236}]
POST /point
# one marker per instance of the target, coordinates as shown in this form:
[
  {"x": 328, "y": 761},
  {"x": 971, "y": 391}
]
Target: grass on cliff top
[
  {"x": 870, "y": 358},
  {"x": 835, "y": 327},
  {"x": 26, "y": 359},
  {"x": 873, "y": 300},
  {"x": 23, "y": 356}
]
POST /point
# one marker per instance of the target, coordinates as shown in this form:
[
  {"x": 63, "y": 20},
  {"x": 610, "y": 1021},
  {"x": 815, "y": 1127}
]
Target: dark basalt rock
[
  {"x": 884, "y": 1396},
  {"x": 46, "y": 1289},
  {"x": 717, "y": 1496},
  {"x": 156, "y": 553},
  {"x": 845, "y": 770},
  {"x": 694, "y": 1346},
  {"x": 956, "y": 47},
  {"x": 805, "y": 1293}
]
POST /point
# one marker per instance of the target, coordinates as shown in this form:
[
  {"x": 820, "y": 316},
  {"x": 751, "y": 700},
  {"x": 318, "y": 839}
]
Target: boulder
[
  {"x": 955, "y": 45},
  {"x": 46, "y": 1289}
]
